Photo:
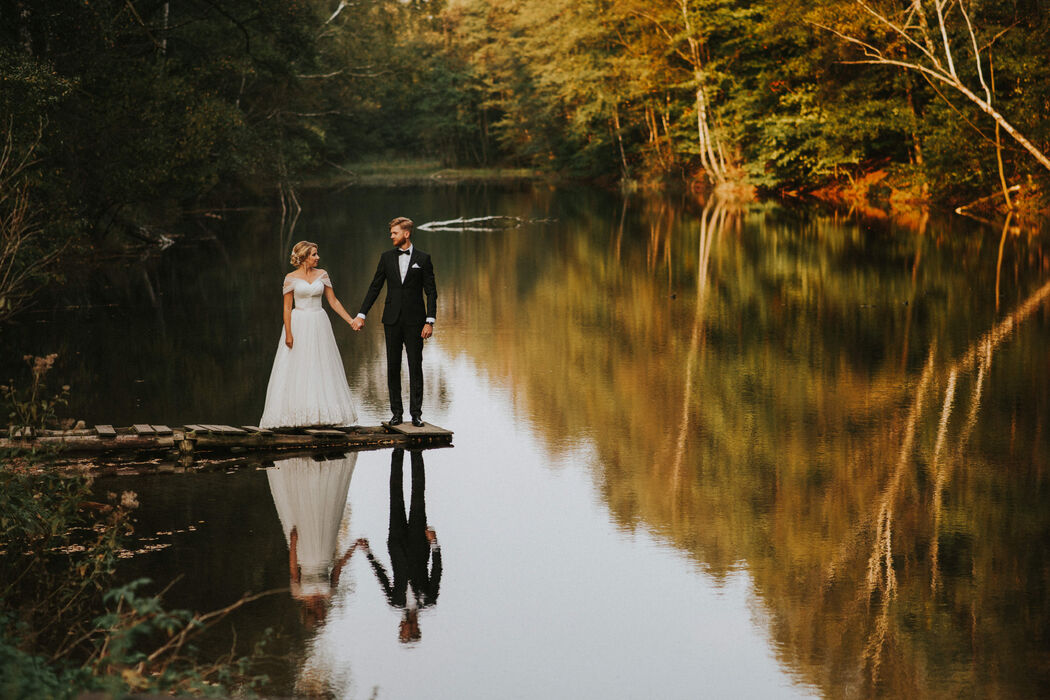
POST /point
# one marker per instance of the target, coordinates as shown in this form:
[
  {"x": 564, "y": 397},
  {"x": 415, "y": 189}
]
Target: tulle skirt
[{"x": 308, "y": 384}]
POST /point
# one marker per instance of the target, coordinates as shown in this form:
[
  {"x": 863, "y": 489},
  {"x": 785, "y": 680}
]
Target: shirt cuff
[
  {"x": 430, "y": 320},
  {"x": 360, "y": 315}
]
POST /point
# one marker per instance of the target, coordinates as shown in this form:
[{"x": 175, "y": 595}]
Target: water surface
[{"x": 699, "y": 451}]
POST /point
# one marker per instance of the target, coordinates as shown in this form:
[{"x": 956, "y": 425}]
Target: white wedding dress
[{"x": 308, "y": 384}]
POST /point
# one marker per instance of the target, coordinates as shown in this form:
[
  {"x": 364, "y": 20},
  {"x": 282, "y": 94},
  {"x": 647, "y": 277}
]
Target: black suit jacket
[{"x": 404, "y": 301}]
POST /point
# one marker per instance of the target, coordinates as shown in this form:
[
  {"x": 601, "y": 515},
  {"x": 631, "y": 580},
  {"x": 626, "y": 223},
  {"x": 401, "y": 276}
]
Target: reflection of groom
[
  {"x": 408, "y": 274},
  {"x": 415, "y": 557}
]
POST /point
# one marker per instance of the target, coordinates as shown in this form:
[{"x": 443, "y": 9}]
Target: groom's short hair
[{"x": 404, "y": 223}]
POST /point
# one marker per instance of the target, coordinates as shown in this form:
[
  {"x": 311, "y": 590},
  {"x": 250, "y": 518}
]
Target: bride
[{"x": 308, "y": 384}]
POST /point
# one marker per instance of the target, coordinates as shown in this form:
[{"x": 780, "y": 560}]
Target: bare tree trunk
[
  {"x": 666, "y": 119},
  {"x": 650, "y": 123},
  {"x": 619, "y": 141},
  {"x": 999, "y": 149},
  {"x": 708, "y": 148},
  {"x": 916, "y": 140}
]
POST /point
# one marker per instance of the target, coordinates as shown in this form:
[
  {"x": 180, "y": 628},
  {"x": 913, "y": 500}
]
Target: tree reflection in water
[{"x": 781, "y": 396}]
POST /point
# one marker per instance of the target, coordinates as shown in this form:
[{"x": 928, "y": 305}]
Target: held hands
[{"x": 358, "y": 323}]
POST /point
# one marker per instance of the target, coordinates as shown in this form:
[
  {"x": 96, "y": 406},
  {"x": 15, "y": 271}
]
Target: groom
[{"x": 409, "y": 275}]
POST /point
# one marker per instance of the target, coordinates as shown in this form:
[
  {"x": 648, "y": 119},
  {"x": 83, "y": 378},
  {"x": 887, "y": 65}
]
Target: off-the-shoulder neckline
[{"x": 324, "y": 273}]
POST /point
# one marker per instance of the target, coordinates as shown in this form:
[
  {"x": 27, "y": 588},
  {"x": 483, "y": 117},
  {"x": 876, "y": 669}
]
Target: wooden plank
[
  {"x": 229, "y": 430},
  {"x": 143, "y": 429},
  {"x": 196, "y": 428},
  {"x": 257, "y": 429},
  {"x": 162, "y": 429},
  {"x": 325, "y": 432},
  {"x": 428, "y": 430},
  {"x": 105, "y": 431}
]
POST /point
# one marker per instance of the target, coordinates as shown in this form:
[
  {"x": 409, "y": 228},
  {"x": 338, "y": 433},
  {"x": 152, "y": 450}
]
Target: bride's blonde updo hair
[{"x": 300, "y": 251}]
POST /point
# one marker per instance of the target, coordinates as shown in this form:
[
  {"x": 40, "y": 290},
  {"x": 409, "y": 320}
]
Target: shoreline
[
  {"x": 872, "y": 196},
  {"x": 412, "y": 173}
]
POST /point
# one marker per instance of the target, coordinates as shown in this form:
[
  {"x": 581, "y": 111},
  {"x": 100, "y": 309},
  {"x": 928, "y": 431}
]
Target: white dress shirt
[{"x": 403, "y": 260}]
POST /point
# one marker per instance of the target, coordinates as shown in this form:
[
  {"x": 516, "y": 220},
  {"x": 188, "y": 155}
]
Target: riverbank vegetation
[
  {"x": 68, "y": 623},
  {"x": 121, "y": 116}
]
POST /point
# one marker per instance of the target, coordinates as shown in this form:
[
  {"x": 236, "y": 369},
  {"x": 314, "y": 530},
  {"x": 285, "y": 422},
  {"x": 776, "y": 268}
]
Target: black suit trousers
[{"x": 404, "y": 335}]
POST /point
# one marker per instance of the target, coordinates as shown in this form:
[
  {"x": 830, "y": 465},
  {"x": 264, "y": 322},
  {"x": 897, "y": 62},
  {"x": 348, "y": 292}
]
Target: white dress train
[{"x": 308, "y": 383}]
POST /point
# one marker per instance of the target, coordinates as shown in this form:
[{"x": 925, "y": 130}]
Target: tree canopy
[{"x": 139, "y": 108}]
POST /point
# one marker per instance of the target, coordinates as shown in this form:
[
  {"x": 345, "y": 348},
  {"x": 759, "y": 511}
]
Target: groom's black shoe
[
  {"x": 417, "y": 421},
  {"x": 395, "y": 420}
]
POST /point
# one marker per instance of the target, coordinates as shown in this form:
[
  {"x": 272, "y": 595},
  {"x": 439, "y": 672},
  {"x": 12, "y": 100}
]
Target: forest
[
  {"x": 120, "y": 116},
  {"x": 125, "y": 124}
]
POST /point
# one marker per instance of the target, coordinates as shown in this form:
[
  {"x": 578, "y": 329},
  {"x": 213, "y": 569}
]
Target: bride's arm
[
  {"x": 288, "y": 318},
  {"x": 336, "y": 306},
  {"x": 329, "y": 294}
]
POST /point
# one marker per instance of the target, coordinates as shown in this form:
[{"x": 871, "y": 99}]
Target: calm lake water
[{"x": 699, "y": 451}]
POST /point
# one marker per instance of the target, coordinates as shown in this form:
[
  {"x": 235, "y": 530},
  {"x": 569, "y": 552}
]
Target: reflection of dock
[{"x": 186, "y": 441}]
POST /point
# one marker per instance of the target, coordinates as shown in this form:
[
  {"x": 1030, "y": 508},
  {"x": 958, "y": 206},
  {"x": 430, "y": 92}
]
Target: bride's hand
[{"x": 288, "y": 340}]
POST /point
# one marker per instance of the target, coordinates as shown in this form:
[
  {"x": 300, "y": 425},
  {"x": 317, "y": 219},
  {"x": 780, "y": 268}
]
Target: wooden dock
[{"x": 184, "y": 443}]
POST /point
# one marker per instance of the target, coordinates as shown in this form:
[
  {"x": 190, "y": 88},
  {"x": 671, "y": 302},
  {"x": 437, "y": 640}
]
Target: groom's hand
[
  {"x": 357, "y": 324},
  {"x": 428, "y": 330}
]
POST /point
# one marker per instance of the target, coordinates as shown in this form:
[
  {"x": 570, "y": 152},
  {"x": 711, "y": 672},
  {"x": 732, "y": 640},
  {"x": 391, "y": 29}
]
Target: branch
[
  {"x": 958, "y": 111},
  {"x": 985, "y": 106},
  {"x": 342, "y": 4},
  {"x": 315, "y": 114},
  {"x": 138, "y": 18},
  {"x": 197, "y": 624},
  {"x": 944, "y": 34},
  {"x": 924, "y": 27},
  {"x": 997, "y": 37},
  {"x": 320, "y": 75},
  {"x": 976, "y": 54},
  {"x": 899, "y": 30},
  {"x": 869, "y": 50}
]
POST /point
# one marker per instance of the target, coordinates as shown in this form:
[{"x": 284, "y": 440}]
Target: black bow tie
[{"x": 404, "y": 252}]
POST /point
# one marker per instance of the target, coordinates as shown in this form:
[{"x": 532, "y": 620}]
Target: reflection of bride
[{"x": 310, "y": 497}]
